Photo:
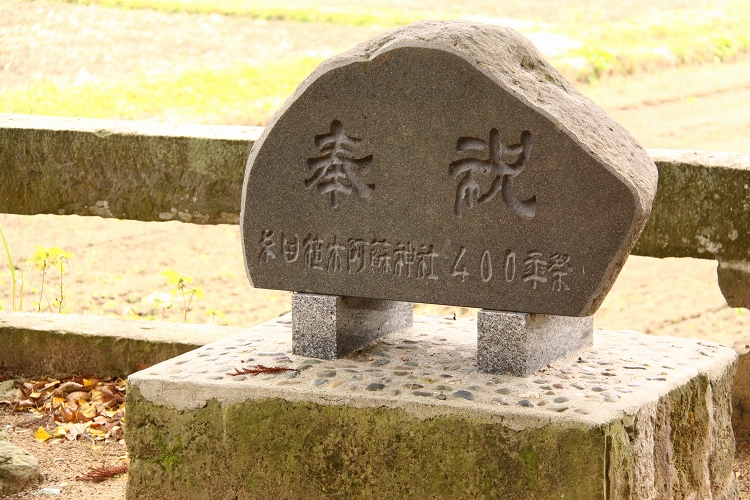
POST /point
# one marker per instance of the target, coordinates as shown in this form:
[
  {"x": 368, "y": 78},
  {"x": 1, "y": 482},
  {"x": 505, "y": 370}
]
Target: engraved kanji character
[
  {"x": 559, "y": 268},
  {"x": 404, "y": 256},
  {"x": 425, "y": 269},
  {"x": 289, "y": 250},
  {"x": 334, "y": 255},
  {"x": 536, "y": 266},
  {"x": 312, "y": 248},
  {"x": 356, "y": 253},
  {"x": 337, "y": 171},
  {"x": 266, "y": 243},
  {"x": 380, "y": 256},
  {"x": 468, "y": 188}
]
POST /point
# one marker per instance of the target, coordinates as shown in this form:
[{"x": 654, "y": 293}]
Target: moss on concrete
[{"x": 270, "y": 448}]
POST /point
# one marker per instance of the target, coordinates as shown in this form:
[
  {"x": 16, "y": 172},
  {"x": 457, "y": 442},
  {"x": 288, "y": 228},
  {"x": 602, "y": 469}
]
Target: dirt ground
[{"x": 116, "y": 264}]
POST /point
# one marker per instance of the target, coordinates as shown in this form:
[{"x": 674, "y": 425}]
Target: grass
[
  {"x": 248, "y": 94},
  {"x": 351, "y": 15},
  {"x": 674, "y": 38},
  {"x": 245, "y": 94}
]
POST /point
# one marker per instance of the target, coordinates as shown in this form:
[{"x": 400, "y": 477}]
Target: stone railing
[{"x": 193, "y": 173}]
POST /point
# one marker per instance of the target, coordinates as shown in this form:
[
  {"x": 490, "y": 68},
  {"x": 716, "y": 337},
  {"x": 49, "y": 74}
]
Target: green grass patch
[
  {"x": 246, "y": 94},
  {"x": 648, "y": 43},
  {"x": 351, "y": 15}
]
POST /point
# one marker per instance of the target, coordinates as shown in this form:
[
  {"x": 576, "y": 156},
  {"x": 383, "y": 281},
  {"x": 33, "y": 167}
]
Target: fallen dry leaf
[
  {"x": 99, "y": 474},
  {"x": 74, "y": 407}
]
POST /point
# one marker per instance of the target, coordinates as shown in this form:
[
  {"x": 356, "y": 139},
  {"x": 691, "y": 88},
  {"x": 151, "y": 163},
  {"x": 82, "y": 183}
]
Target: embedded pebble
[
  {"x": 464, "y": 395},
  {"x": 436, "y": 369}
]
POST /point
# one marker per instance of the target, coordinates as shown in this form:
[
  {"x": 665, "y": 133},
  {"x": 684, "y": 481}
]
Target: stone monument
[
  {"x": 442, "y": 162},
  {"x": 445, "y": 163}
]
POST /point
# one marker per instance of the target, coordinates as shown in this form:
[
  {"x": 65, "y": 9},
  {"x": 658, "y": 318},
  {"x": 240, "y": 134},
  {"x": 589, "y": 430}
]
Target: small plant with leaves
[
  {"x": 184, "y": 286},
  {"x": 46, "y": 258},
  {"x": 157, "y": 301},
  {"x": 12, "y": 271},
  {"x": 214, "y": 313}
]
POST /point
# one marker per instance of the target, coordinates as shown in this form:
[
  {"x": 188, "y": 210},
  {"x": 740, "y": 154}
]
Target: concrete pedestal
[{"x": 636, "y": 417}]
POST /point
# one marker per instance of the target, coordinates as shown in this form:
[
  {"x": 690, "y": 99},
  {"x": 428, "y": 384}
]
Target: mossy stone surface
[{"x": 271, "y": 448}]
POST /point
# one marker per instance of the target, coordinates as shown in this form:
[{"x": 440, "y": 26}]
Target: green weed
[
  {"x": 184, "y": 286},
  {"x": 45, "y": 258},
  {"x": 215, "y": 312},
  {"x": 12, "y": 272}
]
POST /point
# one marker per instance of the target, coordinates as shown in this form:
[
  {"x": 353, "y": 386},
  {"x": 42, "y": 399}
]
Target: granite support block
[
  {"x": 520, "y": 344},
  {"x": 328, "y": 326},
  {"x": 636, "y": 417}
]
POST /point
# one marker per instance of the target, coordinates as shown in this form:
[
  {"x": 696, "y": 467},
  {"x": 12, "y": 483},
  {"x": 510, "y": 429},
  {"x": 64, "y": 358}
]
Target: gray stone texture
[
  {"x": 543, "y": 227},
  {"x": 115, "y": 168},
  {"x": 734, "y": 282},
  {"x": 633, "y": 417},
  {"x": 328, "y": 327},
  {"x": 520, "y": 343},
  {"x": 18, "y": 467},
  {"x": 61, "y": 344}
]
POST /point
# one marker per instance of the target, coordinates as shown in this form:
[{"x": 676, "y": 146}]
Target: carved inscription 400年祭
[
  {"x": 407, "y": 260},
  {"x": 447, "y": 163}
]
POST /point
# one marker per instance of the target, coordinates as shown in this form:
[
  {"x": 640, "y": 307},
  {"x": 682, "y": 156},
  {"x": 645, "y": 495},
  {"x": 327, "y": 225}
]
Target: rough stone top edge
[
  {"x": 514, "y": 63},
  {"x": 104, "y": 128},
  {"x": 708, "y": 159},
  {"x": 100, "y": 326},
  {"x": 708, "y": 358}
]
